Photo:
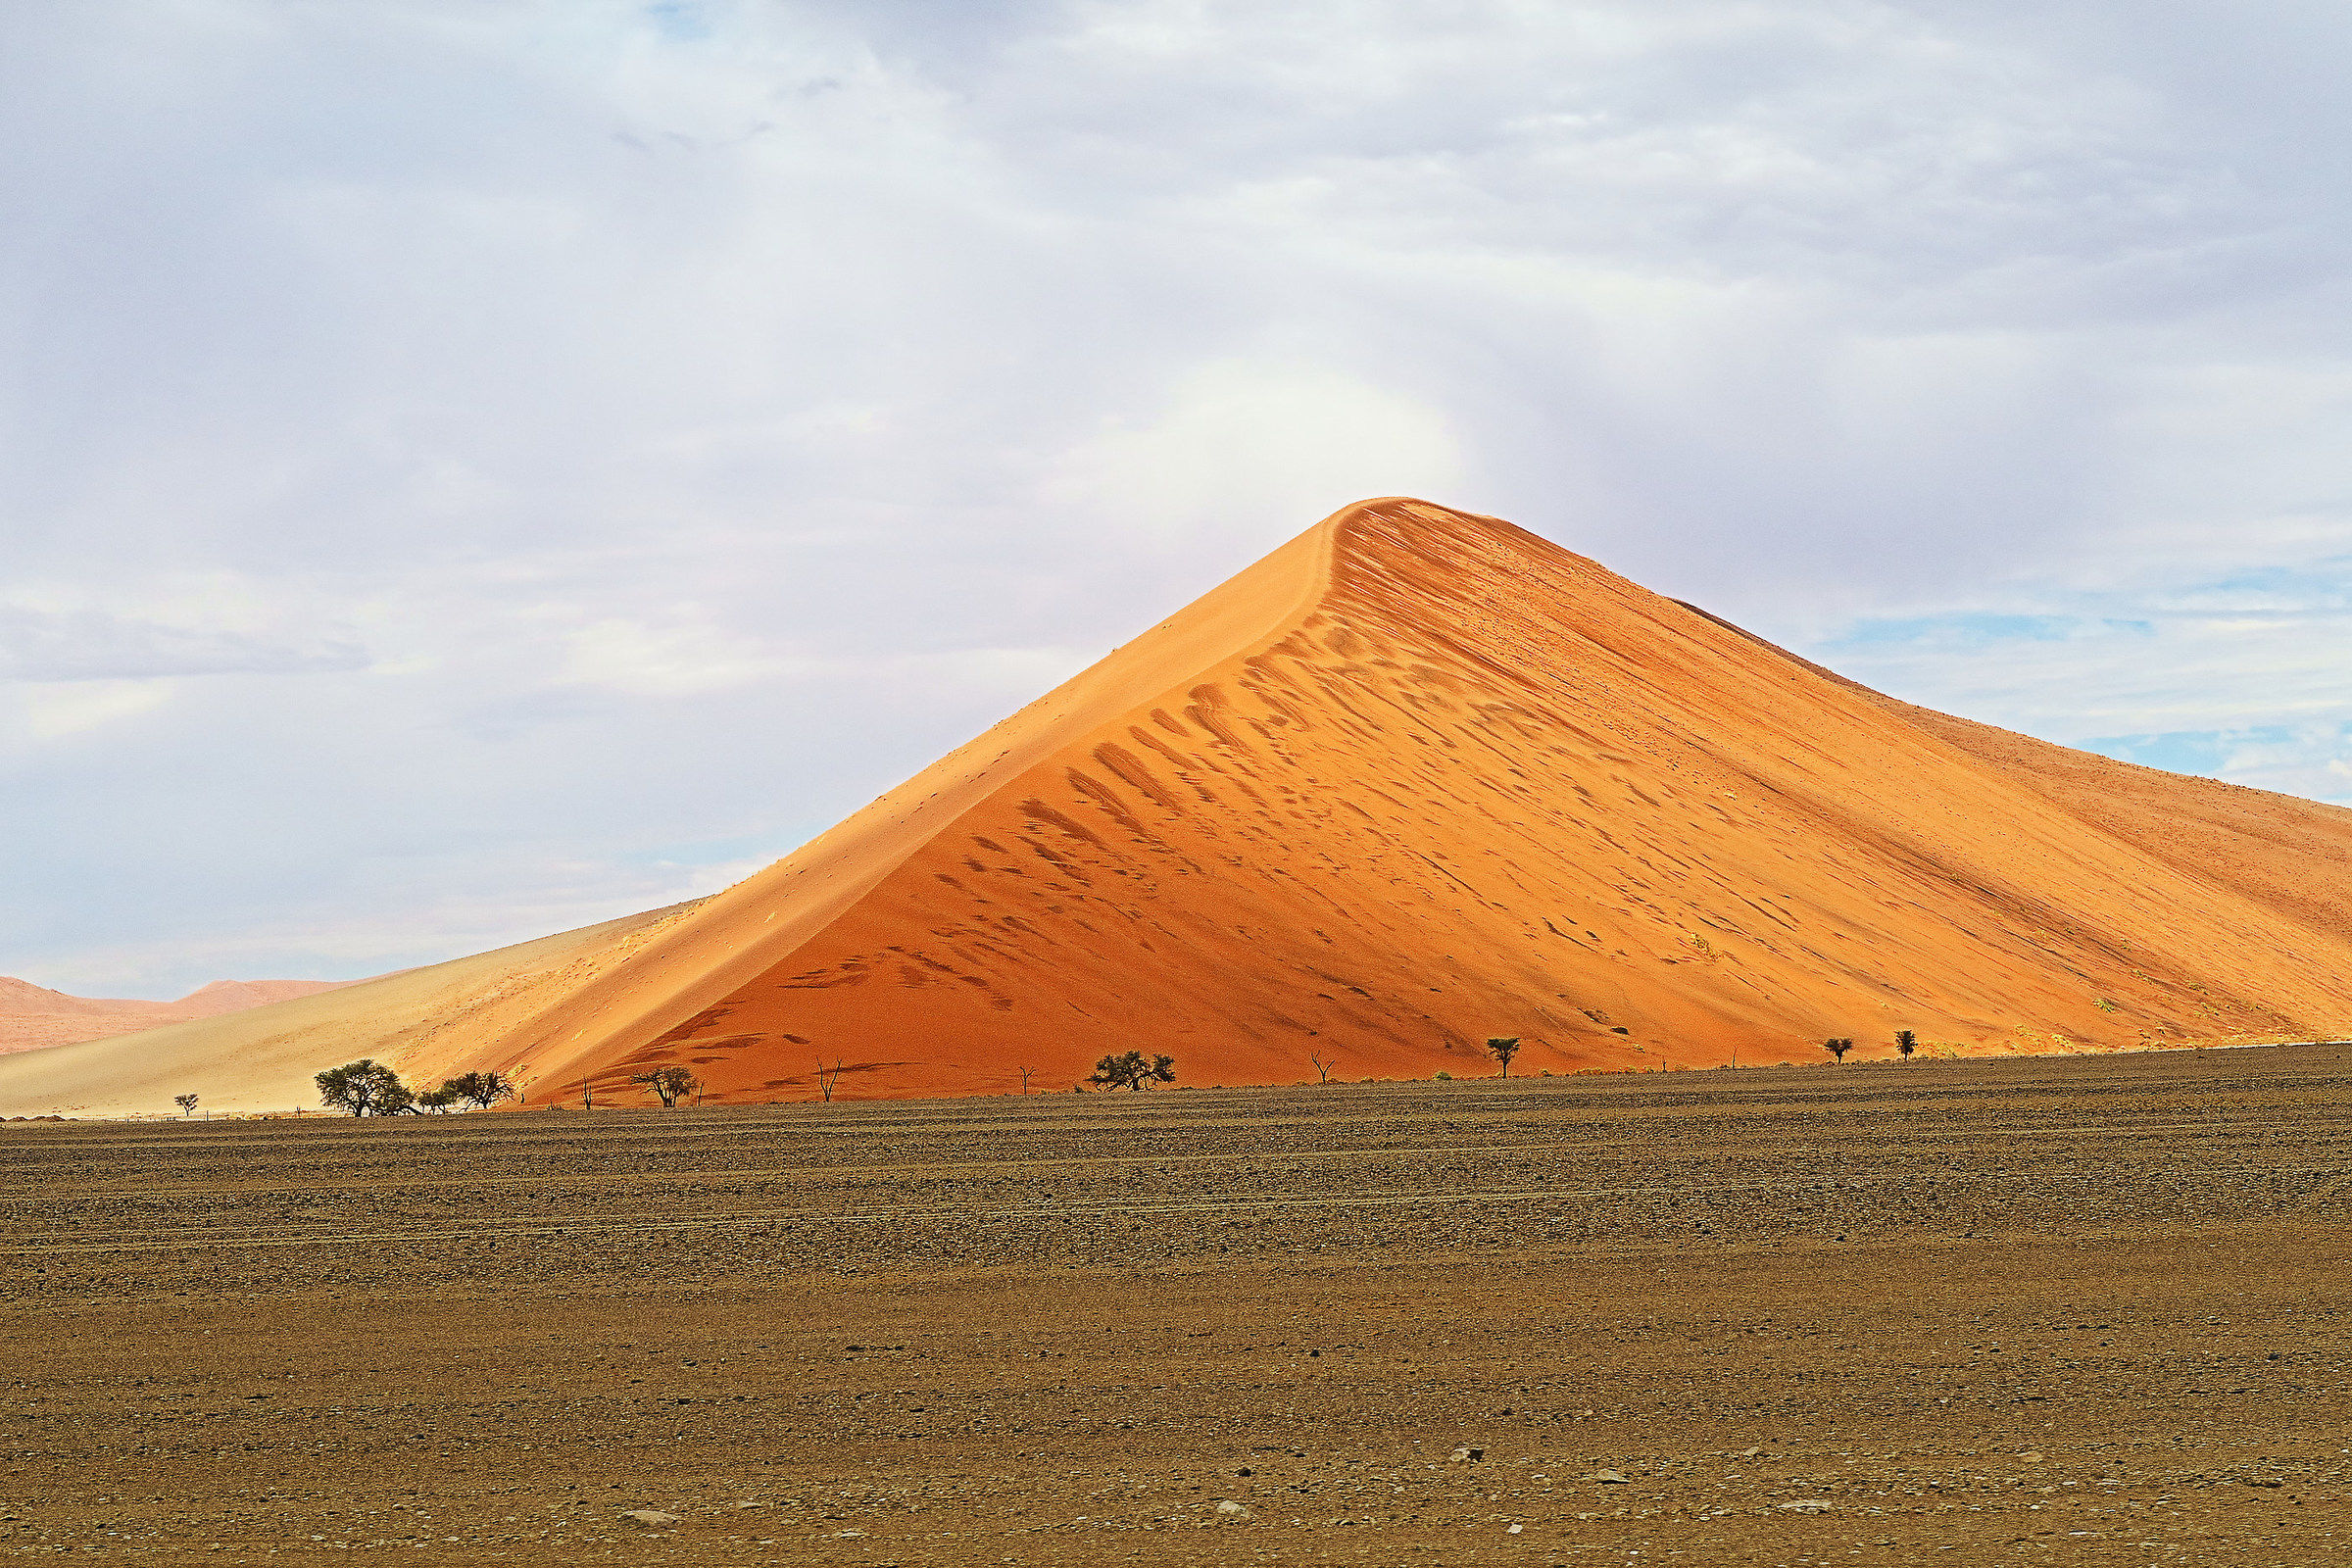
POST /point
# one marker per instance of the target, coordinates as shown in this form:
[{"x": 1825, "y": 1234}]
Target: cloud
[
  {"x": 631, "y": 656},
  {"x": 1280, "y": 439},
  {"x": 446, "y": 417},
  {"x": 95, "y": 644},
  {"x": 51, "y": 713}
]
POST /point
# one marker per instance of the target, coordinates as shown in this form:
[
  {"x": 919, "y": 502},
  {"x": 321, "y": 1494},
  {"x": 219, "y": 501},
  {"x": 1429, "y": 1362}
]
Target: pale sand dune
[
  {"x": 263, "y": 1058},
  {"x": 1415, "y": 779},
  {"x": 33, "y": 1016}
]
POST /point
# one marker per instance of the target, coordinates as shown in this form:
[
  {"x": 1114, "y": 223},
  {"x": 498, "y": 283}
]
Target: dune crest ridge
[{"x": 1417, "y": 778}]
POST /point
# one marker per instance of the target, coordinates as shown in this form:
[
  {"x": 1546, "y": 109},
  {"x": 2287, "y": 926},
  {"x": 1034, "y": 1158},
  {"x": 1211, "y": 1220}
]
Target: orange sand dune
[
  {"x": 1419, "y": 778},
  {"x": 32, "y": 1016}
]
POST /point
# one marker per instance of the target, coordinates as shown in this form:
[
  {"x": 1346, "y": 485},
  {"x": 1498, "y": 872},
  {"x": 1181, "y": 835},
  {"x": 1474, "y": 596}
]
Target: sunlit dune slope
[
  {"x": 1419, "y": 778},
  {"x": 32, "y": 1016},
  {"x": 263, "y": 1058}
]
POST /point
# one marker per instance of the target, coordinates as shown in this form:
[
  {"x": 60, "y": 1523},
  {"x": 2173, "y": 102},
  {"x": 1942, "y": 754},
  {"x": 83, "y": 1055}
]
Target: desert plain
[{"x": 2085, "y": 1309}]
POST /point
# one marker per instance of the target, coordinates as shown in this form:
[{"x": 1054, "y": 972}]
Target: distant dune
[
  {"x": 32, "y": 1016},
  {"x": 1415, "y": 779}
]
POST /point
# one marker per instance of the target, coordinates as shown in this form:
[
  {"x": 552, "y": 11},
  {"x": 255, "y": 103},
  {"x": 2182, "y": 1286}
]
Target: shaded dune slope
[{"x": 1418, "y": 778}]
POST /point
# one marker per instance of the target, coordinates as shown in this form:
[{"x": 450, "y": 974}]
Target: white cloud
[
  {"x": 54, "y": 713},
  {"x": 1285, "y": 442},
  {"x": 631, "y": 656},
  {"x": 471, "y": 409}
]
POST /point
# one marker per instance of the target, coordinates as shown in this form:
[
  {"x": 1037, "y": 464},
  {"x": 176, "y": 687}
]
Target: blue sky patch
[
  {"x": 679, "y": 18},
  {"x": 1980, "y": 631}
]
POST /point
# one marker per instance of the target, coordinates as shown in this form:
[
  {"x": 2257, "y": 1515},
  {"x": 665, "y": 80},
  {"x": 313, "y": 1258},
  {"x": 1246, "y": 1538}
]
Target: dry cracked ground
[{"x": 2081, "y": 1310}]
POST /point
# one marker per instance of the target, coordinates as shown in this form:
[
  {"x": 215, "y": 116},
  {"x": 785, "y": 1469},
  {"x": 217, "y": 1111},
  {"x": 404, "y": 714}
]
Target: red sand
[{"x": 1415, "y": 779}]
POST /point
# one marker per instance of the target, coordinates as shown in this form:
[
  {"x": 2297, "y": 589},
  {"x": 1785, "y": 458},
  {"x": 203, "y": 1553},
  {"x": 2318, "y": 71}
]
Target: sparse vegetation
[
  {"x": 827, "y": 1078},
  {"x": 1502, "y": 1049},
  {"x": 364, "y": 1088},
  {"x": 1838, "y": 1049},
  {"x": 186, "y": 1104},
  {"x": 669, "y": 1084},
  {"x": 1132, "y": 1071},
  {"x": 1906, "y": 1041}
]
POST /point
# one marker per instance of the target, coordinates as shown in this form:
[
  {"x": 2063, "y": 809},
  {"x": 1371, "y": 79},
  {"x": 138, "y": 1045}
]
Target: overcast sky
[{"x": 474, "y": 468}]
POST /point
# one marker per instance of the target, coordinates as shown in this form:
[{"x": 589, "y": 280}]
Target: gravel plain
[{"x": 2087, "y": 1308}]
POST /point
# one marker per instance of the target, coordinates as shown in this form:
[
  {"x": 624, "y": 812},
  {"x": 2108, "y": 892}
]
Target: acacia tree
[
  {"x": 1132, "y": 1071},
  {"x": 186, "y": 1103},
  {"x": 667, "y": 1083},
  {"x": 1906, "y": 1041},
  {"x": 1502, "y": 1049},
  {"x": 438, "y": 1101},
  {"x": 481, "y": 1090},
  {"x": 363, "y": 1088},
  {"x": 1838, "y": 1049}
]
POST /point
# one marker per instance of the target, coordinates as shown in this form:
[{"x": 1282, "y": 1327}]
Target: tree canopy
[
  {"x": 668, "y": 1084},
  {"x": 481, "y": 1090},
  {"x": 1132, "y": 1071},
  {"x": 364, "y": 1088}
]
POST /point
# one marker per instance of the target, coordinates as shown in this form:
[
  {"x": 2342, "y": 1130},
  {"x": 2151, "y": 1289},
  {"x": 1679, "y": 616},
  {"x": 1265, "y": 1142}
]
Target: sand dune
[
  {"x": 1415, "y": 779},
  {"x": 32, "y": 1016},
  {"x": 262, "y": 1058}
]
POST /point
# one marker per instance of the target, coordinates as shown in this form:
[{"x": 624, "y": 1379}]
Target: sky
[{"x": 469, "y": 469}]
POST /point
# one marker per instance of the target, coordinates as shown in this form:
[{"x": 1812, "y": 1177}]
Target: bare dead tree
[
  {"x": 825, "y": 1078},
  {"x": 1025, "y": 1072},
  {"x": 1322, "y": 1066}
]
